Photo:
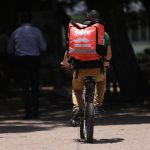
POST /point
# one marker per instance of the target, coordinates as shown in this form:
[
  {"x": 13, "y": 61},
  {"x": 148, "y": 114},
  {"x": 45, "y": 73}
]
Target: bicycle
[
  {"x": 86, "y": 118},
  {"x": 87, "y": 121}
]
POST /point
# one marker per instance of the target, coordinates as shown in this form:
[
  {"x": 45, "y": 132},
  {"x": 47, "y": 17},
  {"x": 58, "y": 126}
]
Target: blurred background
[{"x": 126, "y": 21}]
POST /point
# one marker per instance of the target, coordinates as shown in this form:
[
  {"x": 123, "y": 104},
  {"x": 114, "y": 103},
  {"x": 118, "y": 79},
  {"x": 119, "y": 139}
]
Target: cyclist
[{"x": 97, "y": 69}]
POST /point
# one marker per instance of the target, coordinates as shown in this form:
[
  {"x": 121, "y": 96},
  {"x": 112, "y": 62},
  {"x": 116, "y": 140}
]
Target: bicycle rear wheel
[
  {"x": 82, "y": 129},
  {"x": 87, "y": 124}
]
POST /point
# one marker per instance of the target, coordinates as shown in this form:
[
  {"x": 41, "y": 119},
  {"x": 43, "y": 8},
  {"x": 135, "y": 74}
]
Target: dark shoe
[
  {"x": 99, "y": 110},
  {"x": 77, "y": 114},
  {"x": 27, "y": 117}
]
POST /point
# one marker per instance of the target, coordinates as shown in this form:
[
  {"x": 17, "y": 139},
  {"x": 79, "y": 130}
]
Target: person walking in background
[{"x": 27, "y": 44}]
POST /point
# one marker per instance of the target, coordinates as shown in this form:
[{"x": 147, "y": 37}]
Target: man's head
[
  {"x": 78, "y": 17},
  {"x": 26, "y": 17},
  {"x": 92, "y": 15}
]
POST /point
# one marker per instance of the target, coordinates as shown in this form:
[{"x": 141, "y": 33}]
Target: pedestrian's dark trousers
[{"x": 27, "y": 68}]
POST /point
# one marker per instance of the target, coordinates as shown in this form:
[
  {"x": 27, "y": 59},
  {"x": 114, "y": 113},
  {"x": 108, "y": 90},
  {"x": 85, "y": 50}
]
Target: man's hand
[
  {"x": 65, "y": 64},
  {"x": 106, "y": 65}
]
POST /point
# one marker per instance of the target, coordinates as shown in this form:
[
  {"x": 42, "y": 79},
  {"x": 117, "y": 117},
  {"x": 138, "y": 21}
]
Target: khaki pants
[{"x": 78, "y": 85}]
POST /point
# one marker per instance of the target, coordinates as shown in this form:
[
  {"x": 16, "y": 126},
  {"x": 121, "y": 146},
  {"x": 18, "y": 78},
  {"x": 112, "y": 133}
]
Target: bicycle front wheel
[
  {"x": 89, "y": 122},
  {"x": 82, "y": 129}
]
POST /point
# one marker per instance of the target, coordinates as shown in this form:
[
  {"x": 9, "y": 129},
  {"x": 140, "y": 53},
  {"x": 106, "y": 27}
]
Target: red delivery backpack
[{"x": 86, "y": 41}]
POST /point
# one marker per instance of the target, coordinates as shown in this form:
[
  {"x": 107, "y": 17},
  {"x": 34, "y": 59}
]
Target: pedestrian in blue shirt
[{"x": 26, "y": 44}]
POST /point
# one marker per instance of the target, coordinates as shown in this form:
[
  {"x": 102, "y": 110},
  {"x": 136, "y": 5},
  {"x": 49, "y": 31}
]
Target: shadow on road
[
  {"x": 53, "y": 108},
  {"x": 56, "y": 113},
  {"x": 48, "y": 121},
  {"x": 109, "y": 141},
  {"x": 101, "y": 141},
  {"x": 125, "y": 114},
  {"x": 123, "y": 120}
]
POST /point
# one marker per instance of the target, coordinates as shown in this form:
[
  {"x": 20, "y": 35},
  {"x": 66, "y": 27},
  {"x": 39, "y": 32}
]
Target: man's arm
[
  {"x": 108, "y": 57},
  {"x": 65, "y": 63},
  {"x": 109, "y": 53}
]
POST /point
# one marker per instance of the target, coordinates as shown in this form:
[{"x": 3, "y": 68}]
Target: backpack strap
[
  {"x": 95, "y": 21},
  {"x": 76, "y": 25}
]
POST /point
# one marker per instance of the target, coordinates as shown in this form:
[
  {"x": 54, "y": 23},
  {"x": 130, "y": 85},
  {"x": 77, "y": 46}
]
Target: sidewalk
[{"x": 125, "y": 128}]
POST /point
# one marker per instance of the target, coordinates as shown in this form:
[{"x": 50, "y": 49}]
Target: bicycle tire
[
  {"x": 82, "y": 133},
  {"x": 83, "y": 125},
  {"x": 89, "y": 123}
]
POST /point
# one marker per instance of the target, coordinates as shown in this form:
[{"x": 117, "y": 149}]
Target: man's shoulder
[
  {"x": 87, "y": 22},
  {"x": 107, "y": 39},
  {"x": 35, "y": 28},
  {"x": 107, "y": 36}
]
